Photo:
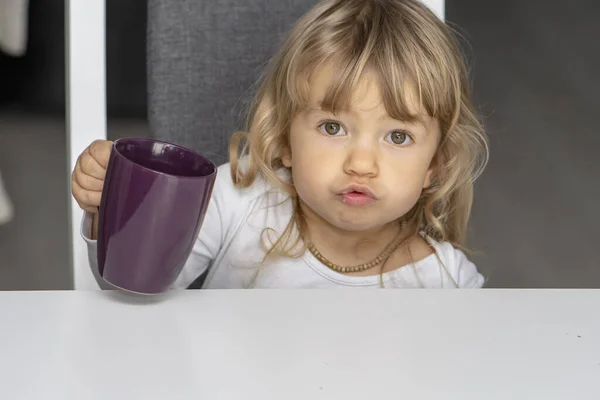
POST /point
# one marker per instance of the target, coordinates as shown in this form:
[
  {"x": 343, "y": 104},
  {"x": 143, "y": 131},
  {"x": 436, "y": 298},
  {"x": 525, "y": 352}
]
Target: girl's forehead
[{"x": 365, "y": 96}]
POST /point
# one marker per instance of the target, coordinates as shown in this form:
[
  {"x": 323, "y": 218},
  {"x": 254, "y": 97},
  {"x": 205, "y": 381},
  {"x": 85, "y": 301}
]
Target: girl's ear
[
  {"x": 431, "y": 172},
  {"x": 286, "y": 157},
  {"x": 428, "y": 178}
]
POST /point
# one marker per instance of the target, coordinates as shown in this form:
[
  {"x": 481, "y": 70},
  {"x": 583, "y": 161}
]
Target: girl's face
[{"x": 361, "y": 169}]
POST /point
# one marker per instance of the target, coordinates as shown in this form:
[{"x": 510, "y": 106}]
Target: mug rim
[{"x": 143, "y": 167}]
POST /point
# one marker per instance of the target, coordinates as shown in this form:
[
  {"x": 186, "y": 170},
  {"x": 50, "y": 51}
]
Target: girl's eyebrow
[
  {"x": 419, "y": 119},
  {"x": 318, "y": 108},
  {"x": 416, "y": 119}
]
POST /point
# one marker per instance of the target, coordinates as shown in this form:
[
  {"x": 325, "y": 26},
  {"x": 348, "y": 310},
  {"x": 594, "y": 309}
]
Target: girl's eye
[
  {"x": 399, "y": 138},
  {"x": 331, "y": 128}
]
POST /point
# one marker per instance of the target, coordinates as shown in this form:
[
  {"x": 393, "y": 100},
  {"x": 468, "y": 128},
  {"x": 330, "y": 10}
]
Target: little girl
[{"x": 357, "y": 166}]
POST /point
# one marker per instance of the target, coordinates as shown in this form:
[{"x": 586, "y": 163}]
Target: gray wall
[{"x": 536, "y": 216}]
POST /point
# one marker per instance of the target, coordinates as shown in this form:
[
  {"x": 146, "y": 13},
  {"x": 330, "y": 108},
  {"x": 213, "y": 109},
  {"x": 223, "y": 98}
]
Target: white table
[{"x": 284, "y": 345}]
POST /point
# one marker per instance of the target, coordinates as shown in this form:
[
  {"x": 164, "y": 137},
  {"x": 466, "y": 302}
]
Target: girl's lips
[
  {"x": 358, "y": 195},
  {"x": 359, "y": 189},
  {"x": 357, "y": 199}
]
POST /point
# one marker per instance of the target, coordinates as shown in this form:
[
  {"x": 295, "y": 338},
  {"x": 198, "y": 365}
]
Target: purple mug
[{"x": 153, "y": 204}]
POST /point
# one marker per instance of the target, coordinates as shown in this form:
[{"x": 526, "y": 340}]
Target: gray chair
[{"x": 204, "y": 57}]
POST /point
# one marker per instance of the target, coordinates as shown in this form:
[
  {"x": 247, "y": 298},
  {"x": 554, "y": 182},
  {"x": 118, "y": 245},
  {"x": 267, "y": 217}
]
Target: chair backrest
[{"x": 203, "y": 59}]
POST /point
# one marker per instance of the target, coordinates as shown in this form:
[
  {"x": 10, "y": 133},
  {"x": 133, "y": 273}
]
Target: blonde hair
[{"x": 406, "y": 45}]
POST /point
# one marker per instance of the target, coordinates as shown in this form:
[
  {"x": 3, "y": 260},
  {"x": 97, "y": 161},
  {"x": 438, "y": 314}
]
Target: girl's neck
[{"x": 348, "y": 247}]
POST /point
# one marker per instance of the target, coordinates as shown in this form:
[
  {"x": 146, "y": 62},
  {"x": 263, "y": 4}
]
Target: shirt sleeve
[
  {"x": 466, "y": 274},
  {"x": 92, "y": 249}
]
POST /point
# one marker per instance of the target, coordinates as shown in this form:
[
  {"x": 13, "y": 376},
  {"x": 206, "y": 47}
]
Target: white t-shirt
[{"x": 229, "y": 246}]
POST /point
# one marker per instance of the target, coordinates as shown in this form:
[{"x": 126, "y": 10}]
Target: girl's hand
[{"x": 87, "y": 179}]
